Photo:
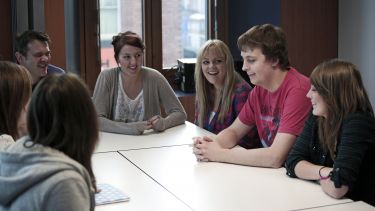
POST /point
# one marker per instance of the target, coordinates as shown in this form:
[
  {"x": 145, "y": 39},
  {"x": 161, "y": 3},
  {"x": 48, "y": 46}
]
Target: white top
[
  {"x": 212, "y": 114},
  {"x": 5, "y": 140},
  {"x": 126, "y": 109}
]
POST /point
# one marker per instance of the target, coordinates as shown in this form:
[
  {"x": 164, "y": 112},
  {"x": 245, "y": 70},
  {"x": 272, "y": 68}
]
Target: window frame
[{"x": 152, "y": 18}]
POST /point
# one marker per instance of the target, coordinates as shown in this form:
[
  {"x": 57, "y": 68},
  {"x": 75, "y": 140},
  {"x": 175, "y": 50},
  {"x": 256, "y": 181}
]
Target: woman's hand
[
  {"x": 157, "y": 123},
  {"x": 141, "y": 126},
  {"x": 153, "y": 120}
]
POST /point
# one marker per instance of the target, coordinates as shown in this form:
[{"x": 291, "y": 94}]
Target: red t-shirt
[{"x": 282, "y": 111}]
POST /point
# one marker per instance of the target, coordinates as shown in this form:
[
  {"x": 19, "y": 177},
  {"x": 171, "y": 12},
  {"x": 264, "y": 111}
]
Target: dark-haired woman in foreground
[
  {"x": 337, "y": 145},
  {"x": 15, "y": 92},
  {"x": 51, "y": 168}
]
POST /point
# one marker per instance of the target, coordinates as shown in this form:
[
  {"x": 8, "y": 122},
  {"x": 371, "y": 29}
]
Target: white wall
[{"x": 357, "y": 39}]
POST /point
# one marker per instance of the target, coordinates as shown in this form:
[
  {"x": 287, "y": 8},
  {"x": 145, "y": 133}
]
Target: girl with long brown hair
[
  {"x": 51, "y": 168},
  {"x": 337, "y": 145},
  {"x": 15, "y": 92}
]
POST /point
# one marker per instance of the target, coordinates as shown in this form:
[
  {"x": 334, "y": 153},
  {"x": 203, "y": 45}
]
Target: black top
[{"x": 354, "y": 165}]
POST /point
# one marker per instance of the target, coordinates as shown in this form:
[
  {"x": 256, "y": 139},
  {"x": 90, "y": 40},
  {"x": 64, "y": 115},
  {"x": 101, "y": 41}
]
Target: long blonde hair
[
  {"x": 341, "y": 87},
  {"x": 204, "y": 96}
]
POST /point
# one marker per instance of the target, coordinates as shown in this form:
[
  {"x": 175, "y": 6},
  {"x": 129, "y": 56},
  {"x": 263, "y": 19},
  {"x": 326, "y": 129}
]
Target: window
[
  {"x": 202, "y": 19},
  {"x": 109, "y": 22},
  {"x": 184, "y": 29},
  {"x": 117, "y": 16},
  {"x": 182, "y": 33}
]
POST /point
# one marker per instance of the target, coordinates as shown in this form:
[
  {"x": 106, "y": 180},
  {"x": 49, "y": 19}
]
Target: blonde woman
[
  {"x": 337, "y": 145},
  {"x": 220, "y": 90}
]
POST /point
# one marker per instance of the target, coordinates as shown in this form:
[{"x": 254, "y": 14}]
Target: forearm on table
[
  {"x": 175, "y": 118},
  {"x": 227, "y": 138},
  {"x": 309, "y": 171},
  {"x": 262, "y": 157},
  {"x": 328, "y": 187},
  {"x": 230, "y": 137},
  {"x": 107, "y": 125}
]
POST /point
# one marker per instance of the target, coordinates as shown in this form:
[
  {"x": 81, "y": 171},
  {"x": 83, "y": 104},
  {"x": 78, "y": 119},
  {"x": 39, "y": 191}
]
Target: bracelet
[{"x": 320, "y": 174}]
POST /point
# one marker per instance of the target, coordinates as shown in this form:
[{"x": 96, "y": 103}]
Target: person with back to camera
[
  {"x": 221, "y": 92},
  {"x": 51, "y": 168},
  {"x": 129, "y": 98},
  {"x": 33, "y": 52},
  {"x": 337, "y": 145},
  {"x": 276, "y": 106},
  {"x": 15, "y": 92}
]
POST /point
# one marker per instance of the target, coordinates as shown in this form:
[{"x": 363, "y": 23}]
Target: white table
[
  {"x": 178, "y": 135},
  {"x": 351, "y": 206},
  {"x": 218, "y": 186},
  {"x": 145, "y": 193}
]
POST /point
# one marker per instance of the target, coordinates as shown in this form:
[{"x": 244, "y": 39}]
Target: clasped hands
[
  {"x": 152, "y": 123},
  {"x": 206, "y": 149}
]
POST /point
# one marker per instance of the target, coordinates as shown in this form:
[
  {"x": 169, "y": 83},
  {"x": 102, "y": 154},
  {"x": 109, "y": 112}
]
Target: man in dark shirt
[{"x": 33, "y": 52}]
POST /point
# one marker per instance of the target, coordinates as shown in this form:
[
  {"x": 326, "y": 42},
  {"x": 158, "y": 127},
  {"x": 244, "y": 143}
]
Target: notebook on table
[{"x": 109, "y": 194}]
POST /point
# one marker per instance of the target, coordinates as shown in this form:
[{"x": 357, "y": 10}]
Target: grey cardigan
[{"x": 156, "y": 91}]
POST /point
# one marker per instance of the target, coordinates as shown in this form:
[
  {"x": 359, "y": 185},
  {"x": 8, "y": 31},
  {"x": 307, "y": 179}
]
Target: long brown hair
[
  {"x": 205, "y": 100},
  {"x": 15, "y": 92},
  {"x": 62, "y": 116},
  {"x": 340, "y": 85}
]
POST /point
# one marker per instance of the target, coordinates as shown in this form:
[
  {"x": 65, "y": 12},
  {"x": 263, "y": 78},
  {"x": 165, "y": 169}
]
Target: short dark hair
[
  {"x": 26, "y": 37},
  {"x": 270, "y": 39},
  {"x": 62, "y": 116},
  {"x": 126, "y": 38},
  {"x": 15, "y": 92}
]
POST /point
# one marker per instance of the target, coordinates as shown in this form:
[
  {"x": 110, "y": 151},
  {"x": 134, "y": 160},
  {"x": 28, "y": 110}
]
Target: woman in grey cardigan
[{"x": 128, "y": 98}]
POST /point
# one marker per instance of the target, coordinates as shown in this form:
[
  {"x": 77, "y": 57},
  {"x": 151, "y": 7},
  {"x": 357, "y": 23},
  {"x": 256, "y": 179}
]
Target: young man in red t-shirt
[{"x": 277, "y": 105}]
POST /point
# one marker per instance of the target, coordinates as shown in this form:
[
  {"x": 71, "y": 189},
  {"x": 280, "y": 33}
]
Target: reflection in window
[
  {"x": 117, "y": 16},
  {"x": 184, "y": 29}
]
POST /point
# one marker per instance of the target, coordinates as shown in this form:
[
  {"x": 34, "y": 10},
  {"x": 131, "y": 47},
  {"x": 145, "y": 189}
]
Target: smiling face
[
  {"x": 36, "y": 60},
  {"x": 318, "y": 104},
  {"x": 213, "y": 67},
  {"x": 130, "y": 60},
  {"x": 256, "y": 66}
]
